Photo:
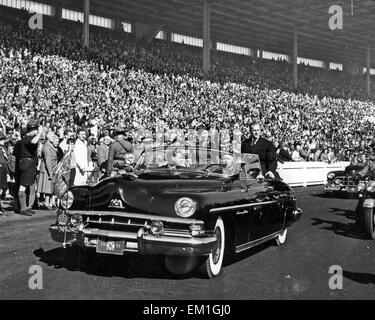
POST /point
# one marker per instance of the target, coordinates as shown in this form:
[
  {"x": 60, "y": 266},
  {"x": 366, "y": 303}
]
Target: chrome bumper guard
[{"x": 142, "y": 242}]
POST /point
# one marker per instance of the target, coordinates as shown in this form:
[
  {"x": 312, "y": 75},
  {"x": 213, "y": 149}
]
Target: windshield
[{"x": 190, "y": 158}]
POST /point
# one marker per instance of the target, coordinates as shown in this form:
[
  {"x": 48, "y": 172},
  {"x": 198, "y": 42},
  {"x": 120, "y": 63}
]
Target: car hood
[{"x": 157, "y": 193}]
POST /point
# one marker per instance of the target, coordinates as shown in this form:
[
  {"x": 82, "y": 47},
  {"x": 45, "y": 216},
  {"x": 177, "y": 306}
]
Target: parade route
[{"x": 325, "y": 236}]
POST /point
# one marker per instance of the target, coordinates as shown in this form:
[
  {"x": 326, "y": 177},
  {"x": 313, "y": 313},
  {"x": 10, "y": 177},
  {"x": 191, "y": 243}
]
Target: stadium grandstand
[{"x": 193, "y": 64}]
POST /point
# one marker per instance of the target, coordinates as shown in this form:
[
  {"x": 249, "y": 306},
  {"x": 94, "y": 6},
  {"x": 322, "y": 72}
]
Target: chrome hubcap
[{"x": 216, "y": 254}]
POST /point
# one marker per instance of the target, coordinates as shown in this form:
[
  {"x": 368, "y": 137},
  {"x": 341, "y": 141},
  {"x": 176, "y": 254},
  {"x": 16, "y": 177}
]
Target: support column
[
  {"x": 253, "y": 53},
  {"x": 260, "y": 54},
  {"x": 86, "y": 29},
  {"x": 118, "y": 25},
  {"x": 295, "y": 55},
  {"x": 213, "y": 45},
  {"x": 168, "y": 36},
  {"x": 206, "y": 35},
  {"x": 58, "y": 10},
  {"x": 368, "y": 62}
]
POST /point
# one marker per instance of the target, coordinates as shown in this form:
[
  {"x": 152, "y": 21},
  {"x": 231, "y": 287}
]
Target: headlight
[
  {"x": 185, "y": 207},
  {"x": 157, "y": 228},
  {"x": 337, "y": 181},
  {"x": 76, "y": 219},
  {"x": 330, "y": 175},
  {"x": 370, "y": 186},
  {"x": 67, "y": 200},
  {"x": 361, "y": 186}
]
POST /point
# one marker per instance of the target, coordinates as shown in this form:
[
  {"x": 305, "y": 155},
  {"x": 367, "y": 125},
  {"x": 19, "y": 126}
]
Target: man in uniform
[
  {"x": 117, "y": 151},
  {"x": 368, "y": 170},
  {"x": 3, "y": 169},
  {"x": 103, "y": 151},
  {"x": 26, "y": 167},
  {"x": 264, "y": 149}
]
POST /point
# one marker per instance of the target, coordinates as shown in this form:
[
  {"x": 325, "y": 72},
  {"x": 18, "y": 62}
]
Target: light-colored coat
[{"x": 80, "y": 154}]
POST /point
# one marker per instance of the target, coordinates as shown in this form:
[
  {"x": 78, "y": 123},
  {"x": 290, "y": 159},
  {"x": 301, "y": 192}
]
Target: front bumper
[
  {"x": 330, "y": 188},
  {"x": 142, "y": 242}
]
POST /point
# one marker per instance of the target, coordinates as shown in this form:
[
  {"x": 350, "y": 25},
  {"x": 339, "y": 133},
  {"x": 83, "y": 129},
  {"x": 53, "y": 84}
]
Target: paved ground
[{"x": 325, "y": 236}]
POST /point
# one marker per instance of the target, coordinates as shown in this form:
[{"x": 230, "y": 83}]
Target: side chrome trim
[
  {"x": 254, "y": 243},
  {"x": 241, "y": 206}
]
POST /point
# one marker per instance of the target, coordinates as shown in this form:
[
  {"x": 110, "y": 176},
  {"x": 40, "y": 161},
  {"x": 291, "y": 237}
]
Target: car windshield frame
[{"x": 161, "y": 159}]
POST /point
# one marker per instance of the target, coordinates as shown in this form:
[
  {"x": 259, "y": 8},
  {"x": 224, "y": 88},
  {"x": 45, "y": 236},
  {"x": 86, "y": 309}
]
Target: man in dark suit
[{"x": 264, "y": 149}]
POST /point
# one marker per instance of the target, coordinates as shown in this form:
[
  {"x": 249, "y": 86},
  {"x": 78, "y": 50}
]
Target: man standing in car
[
  {"x": 117, "y": 152},
  {"x": 263, "y": 148}
]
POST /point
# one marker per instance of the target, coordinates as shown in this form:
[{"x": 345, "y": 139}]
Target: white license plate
[{"x": 111, "y": 247}]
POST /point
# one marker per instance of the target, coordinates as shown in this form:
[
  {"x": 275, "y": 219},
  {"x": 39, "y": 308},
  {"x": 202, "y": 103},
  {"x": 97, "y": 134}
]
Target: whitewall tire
[
  {"x": 369, "y": 222},
  {"x": 213, "y": 263}
]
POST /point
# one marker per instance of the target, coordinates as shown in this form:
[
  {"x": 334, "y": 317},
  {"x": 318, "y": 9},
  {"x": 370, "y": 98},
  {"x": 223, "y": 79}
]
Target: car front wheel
[
  {"x": 369, "y": 221},
  {"x": 213, "y": 263}
]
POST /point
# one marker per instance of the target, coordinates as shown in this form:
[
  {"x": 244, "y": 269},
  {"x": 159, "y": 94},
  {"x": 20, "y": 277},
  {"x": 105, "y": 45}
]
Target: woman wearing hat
[{"x": 49, "y": 161}]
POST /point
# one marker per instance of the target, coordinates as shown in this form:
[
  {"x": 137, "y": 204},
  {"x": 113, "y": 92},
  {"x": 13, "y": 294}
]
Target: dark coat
[
  {"x": 284, "y": 155},
  {"x": 3, "y": 168},
  {"x": 103, "y": 152},
  {"x": 116, "y": 155},
  {"x": 266, "y": 152},
  {"x": 49, "y": 159},
  {"x": 368, "y": 170}
]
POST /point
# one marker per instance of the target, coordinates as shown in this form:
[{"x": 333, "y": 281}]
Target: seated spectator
[
  {"x": 296, "y": 156},
  {"x": 283, "y": 154}
]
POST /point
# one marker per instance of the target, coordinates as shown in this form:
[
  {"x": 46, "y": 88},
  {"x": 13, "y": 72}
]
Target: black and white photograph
[{"x": 187, "y": 150}]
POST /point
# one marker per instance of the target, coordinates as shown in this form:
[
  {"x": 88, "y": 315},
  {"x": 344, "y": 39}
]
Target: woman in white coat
[{"x": 80, "y": 153}]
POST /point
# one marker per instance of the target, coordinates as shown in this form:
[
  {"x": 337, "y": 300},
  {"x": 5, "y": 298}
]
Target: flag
[{"x": 62, "y": 176}]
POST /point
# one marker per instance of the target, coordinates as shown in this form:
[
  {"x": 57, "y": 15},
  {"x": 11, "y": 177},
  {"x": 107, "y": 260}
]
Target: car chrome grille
[
  {"x": 130, "y": 224},
  {"x": 115, "y": 223},
  {"x": 345, "y": 181}
]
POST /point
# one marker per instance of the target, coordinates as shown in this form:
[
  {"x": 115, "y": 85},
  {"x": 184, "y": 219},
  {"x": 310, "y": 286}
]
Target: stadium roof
[{"x": 259, "y": 24}]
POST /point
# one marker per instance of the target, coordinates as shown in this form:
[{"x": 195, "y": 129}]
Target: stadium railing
[{"x": 305, "y": 174}]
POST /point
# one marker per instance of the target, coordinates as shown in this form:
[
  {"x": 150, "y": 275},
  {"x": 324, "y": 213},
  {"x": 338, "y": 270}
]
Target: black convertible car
[
  {"x": 342, "y": 182},
  {"x": 180, "y": 203}
]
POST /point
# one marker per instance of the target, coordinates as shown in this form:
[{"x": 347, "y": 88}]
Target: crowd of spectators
[{"x": 141, "y": 85}]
